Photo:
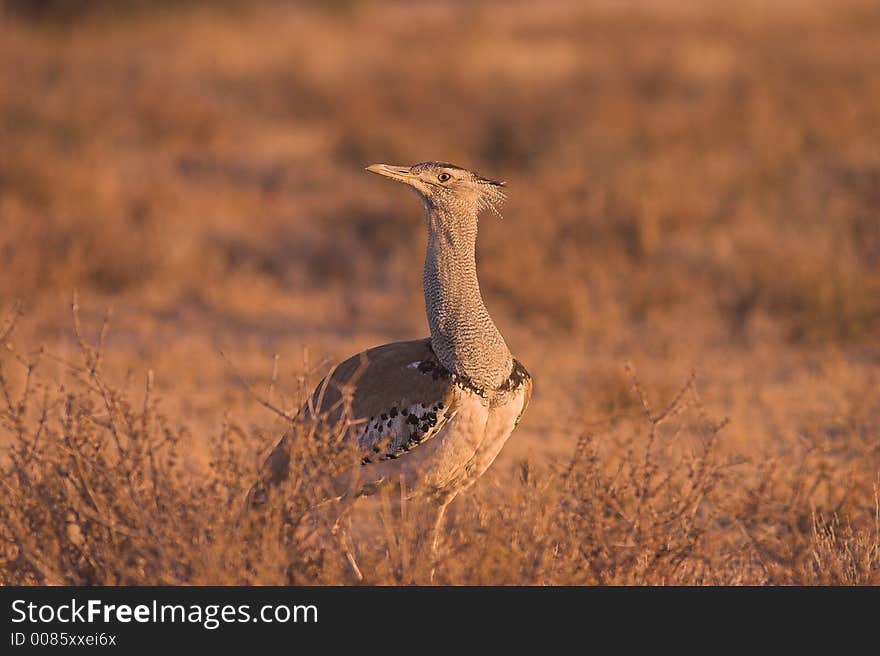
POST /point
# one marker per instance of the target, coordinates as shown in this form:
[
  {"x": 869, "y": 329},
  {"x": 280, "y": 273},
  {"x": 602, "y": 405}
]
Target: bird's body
[
  {"x": 433, "y": 413},
  {"x": 414, "y": 421}
]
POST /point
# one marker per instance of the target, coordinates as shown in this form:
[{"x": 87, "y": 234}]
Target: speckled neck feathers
[{"x": 463, "y": 335}]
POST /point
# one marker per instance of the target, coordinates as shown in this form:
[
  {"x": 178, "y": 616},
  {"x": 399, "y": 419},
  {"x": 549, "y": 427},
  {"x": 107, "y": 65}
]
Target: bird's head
[{"x": 446, "y": 186}]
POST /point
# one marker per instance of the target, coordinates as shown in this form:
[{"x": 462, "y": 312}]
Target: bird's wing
[
  {"x": 397, "y": 394},
  {"x": 387, "y": 400}
]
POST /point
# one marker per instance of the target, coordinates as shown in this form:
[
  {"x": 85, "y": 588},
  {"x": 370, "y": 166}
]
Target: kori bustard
[{"x": 430, "y": 413}]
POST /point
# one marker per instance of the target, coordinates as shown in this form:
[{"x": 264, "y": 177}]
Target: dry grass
[
  {"x": 693, "y": 187},
  {"x": 96, "y": 493}
]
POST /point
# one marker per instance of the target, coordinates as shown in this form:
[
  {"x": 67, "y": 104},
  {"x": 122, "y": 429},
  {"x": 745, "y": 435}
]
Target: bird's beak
[{"x": 399, "y": 173}]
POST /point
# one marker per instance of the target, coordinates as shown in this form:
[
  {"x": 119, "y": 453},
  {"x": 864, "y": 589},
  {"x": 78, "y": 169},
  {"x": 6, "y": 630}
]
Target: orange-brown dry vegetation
[{"x": 689, "y": 265}]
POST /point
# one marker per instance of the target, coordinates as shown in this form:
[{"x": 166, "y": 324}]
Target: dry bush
[
  {"x": 843, "y": 555},
  {"x": 95, "y": 493},
  {"x": 649, "y": 167}
]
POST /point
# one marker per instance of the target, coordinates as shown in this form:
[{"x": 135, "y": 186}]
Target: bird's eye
[{"x": 443, "y": 177}]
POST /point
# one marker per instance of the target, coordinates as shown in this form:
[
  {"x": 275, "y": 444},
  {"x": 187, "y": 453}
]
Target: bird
[{"x": 431, "y": 414}]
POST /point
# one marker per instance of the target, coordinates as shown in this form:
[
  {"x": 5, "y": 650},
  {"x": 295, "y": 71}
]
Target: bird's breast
[
  {"x": 502, "y": 419},
  {"x": 459, "y": 441}
]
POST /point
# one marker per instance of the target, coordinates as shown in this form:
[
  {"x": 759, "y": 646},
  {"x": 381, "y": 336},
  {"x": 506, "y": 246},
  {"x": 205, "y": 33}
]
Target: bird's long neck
[{"x": 463, "y": 335}]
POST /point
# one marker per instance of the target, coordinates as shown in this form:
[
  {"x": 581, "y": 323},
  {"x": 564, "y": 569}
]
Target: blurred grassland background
[{"x": 693, "y": 186}]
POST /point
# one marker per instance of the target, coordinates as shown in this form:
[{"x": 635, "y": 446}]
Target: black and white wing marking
[{"x": 402, "y": 428}]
